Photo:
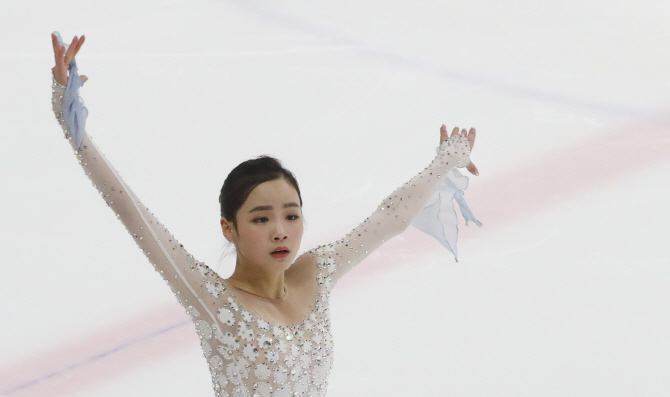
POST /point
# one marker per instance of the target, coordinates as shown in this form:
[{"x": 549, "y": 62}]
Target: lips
[{"x": 280, "y": 252}]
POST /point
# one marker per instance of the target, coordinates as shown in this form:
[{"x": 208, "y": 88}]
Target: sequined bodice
[{"x": 248, "y": 355}]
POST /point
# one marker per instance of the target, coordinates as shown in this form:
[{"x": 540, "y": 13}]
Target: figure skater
[{"x": 264, "y": 331}]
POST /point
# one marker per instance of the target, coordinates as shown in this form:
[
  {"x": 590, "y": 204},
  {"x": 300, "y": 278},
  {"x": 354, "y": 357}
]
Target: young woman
[{"x": 265, "y": 331}]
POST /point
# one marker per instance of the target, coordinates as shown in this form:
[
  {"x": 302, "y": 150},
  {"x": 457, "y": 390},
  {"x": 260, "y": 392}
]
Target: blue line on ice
[{"x": 334, "y": 37}]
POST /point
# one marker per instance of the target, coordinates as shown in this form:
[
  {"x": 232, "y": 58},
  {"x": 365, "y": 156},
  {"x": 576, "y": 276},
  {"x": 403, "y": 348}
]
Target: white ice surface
[{"x": 568, "y": 299}]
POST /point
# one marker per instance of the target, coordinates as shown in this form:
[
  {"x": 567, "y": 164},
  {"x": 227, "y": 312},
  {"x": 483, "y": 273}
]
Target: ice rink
[{"x": 564, "y": 290}]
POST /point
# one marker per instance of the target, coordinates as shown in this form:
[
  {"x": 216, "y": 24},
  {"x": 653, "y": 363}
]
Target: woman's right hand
[
  {"x": 63, "y": 58},
  {"x": 469, "y": 135}
]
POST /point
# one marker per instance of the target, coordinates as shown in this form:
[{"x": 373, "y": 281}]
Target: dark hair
[{"x": 245, "y": 177}]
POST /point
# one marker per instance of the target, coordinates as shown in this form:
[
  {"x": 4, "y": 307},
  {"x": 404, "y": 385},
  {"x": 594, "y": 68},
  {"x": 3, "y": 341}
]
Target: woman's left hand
[
  {"x": 63, "y": 58},
  {"x": 469, "y": 135}
]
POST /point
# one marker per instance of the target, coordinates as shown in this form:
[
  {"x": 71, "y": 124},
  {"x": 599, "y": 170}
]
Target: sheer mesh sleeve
[
  {"x": 393, "y": 215},
  {"x": 185, "y": 276}
]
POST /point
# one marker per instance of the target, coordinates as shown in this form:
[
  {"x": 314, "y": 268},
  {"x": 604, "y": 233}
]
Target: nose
[{"x": 280, "y": 232}]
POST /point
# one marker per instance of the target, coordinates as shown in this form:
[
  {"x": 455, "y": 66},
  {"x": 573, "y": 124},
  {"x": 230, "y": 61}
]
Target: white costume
[{"x": 247, "y": 354}]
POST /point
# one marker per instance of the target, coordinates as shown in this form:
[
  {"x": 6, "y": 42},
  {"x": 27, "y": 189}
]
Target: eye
[
  {"x": 293, "y": 217},
  {"x": 260, "y": 219}
]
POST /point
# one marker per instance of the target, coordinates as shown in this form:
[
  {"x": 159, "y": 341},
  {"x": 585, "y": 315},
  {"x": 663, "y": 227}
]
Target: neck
[{"x": 256, "y": 281}]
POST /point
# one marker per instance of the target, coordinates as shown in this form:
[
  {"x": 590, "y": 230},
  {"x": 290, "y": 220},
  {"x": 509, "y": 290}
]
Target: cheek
[
  {"x": 249, "y": 238},
  {"x": 297, "y": 229}
]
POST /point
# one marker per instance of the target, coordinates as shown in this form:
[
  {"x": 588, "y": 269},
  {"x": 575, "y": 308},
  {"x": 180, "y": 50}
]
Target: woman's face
[{"x": 269, "y": 227}]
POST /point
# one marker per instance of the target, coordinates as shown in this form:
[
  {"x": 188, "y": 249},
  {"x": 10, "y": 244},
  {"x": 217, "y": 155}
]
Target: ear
[{"x": 228, "y": 229}]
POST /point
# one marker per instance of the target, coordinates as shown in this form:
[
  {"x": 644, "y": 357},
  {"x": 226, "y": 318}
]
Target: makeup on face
[{"x": 269, "y": 226}]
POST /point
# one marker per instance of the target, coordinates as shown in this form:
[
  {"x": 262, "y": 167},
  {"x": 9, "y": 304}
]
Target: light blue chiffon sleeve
[
  {"x": 438, "y": 217},
  {"x": 72, "y": 106}
]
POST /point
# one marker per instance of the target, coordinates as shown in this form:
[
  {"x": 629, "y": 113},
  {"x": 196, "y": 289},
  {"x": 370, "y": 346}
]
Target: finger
[
  {"x": 471, "y": 137},
  {"x": 59, "y": 70},
  {"x": 472, "y": 168},
  {"x": 443, "y": 133},
  {"x": 464, "y": 133},
  {"x": 59, "y": 52},
  {"x": 54, "y": 42},
  {"x": 60, "y": 66},
  {"x": 60, "y": 56},
  {"x": 69, "y": 55},
  {"x": 454, "y": 132},
  {"x": 79, "y": 44}
]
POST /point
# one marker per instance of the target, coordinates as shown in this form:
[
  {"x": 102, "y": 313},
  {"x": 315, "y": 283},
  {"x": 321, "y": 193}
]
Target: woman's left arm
[{"x": 396, "y": 212}]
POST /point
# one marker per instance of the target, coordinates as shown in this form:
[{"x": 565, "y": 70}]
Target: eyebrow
[{"x": 269, "y": 207}]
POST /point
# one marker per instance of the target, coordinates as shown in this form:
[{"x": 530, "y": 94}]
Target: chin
[{"x": 287, "y": 262}]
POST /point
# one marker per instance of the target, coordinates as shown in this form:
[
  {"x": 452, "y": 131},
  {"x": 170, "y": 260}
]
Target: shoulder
[
  {"x": 314, "y": 266},
  {"x": 303, "y": 268},
  {"x": 309, "y": 264},
  {"x": 211, "y": 285}
]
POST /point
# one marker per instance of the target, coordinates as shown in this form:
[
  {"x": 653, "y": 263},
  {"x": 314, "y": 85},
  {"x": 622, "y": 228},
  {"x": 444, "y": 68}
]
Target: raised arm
[
  {"x": 396, "y": 211},
  {"x": 187, "y": 277}
]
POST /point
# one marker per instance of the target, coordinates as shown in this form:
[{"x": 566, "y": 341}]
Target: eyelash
[{"x": 264, "y": 219}]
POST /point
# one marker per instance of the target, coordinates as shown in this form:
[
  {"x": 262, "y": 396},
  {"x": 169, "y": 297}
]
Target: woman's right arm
[{"x": 193, "y": 283}]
